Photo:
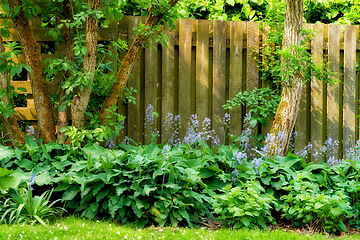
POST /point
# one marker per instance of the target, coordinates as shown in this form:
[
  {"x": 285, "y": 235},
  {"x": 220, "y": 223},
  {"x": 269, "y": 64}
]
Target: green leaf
[
  {"x": 148, "y": 189},
  {"x": 102, "y": 194},
  {"x": 318, "y": 205},
  {"x": 5, "y": 171},
  {"x": 70, "y": 194},
  {"x": 253, "y": 122},
  {"x": 61, "y": 108},
  {"x": 43, "y": 178},
  {"x": 2, "y": 93},
  {"x": 21, "y": 89},
  {"x": 342, "y": 226},
  {"x": 245, "y": 221},
  {"x": 158, "y": 172},
  {"x": 15, "y": 70}
]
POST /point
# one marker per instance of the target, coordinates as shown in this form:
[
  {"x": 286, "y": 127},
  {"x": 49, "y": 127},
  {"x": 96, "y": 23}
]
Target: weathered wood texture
[{"x": 208, "y": 62}]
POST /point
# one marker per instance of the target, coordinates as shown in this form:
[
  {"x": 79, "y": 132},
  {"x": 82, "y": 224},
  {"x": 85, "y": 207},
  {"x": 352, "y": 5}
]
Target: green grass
[{"x": 75, "y": 228}]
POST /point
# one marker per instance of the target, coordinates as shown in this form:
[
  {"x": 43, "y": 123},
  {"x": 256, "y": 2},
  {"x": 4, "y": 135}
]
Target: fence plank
[
  {"x": 185, "y": 42},
  {"x": 333, "y": 95},
  {"x": 317, "y": 92},
  {"x": 134, "y": 120},
  {"x": 202, "y": 71},
  {"x": 168, "y": 80},
  {"x": 219, "y": 76},
  {"x": 236, "y": 80},
  {"x": 252, "y": 70},
  {"x": 302, "y": 125},
  {"x": 349, "y": 87}
]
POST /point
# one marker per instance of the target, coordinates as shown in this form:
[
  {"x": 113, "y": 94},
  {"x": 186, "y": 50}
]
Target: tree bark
[
  {"x": 69, "y": 53},
  {"x": 33, "y": 59},
  {"x": 81, "y": 100},
  {"x": 287, "y": 111},
  {"x": 128, "y": 63},
  {"x": 11, "y": 127}
]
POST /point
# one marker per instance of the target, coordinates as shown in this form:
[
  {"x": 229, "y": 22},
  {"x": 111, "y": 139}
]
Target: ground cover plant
[{"x": 187, "y": 183}]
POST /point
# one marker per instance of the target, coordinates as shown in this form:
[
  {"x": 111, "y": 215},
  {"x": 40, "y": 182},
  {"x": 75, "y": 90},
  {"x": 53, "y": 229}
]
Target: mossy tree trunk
[
  {"x": 81, "y": 100},
  {"x": 33, "y": 59},
  {"x": 127, "y": 64},
  {"x": 69, "y": 53},
  {"x": 290, "y": 97},
  {"x": 11, "y": 129}
]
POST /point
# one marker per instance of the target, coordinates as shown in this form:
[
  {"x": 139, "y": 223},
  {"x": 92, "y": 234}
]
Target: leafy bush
[
  {"x": 245, "y": 206},
  {"x": 305, "y": 205},
  {"x": 180, "y": 184},
  {"x": 136, "y": 185}
]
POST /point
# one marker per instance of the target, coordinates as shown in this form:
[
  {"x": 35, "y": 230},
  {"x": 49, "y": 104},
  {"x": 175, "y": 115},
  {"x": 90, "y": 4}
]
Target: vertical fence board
[
  {"x": 185, "y": 42},
  {"x": 236, "y": 80},
  {"x": 333, "y": 94},
  {"x": 219, "y": 75},
  {"x": 252, "y": 71},
  {"x": 349, "y": 87},
  {"x": 135, "y": 123},
  {"x": 168, "y": 81},
  {"x": 317, "y": 93},
  {"x": 151, "y": 85},
  {"x": 202, "y": 70}
]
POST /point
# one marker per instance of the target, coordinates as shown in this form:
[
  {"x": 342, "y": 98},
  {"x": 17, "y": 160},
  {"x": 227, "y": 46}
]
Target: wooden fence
[{"x": 208, "y": 62}]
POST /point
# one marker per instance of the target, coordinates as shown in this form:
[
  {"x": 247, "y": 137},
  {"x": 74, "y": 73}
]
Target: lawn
[{"x": 76, "y": 228}]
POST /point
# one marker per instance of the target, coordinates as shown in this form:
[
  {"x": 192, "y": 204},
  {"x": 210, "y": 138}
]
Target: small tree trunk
[
  {"x": 11, "y": 127},
  {"x": 69, "y": 53},
  {"x": 128, "y": 63},
  {"x": 81, "y": 100},
  {"x": 33, "y": 59},
  {"x": 290, "y": 97}
]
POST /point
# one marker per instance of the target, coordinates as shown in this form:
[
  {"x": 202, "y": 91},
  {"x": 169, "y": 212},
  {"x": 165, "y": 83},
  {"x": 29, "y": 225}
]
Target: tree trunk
[
  {"x": 33, "y": 59},
  {"x": 287, "y": 111},
  {"x": 81, "y": 100},
  {"x": 11, "y": 127},
  {"x": 127, "y": 64},
  {"x": 69, "y": 53}
]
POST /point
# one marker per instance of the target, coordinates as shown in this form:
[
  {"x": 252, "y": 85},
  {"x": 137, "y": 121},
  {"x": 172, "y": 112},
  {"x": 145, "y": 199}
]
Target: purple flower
[
  {"x": 226, "y": 120},
  {"x": 256, "y": 163},
  {"x": 32, "y": 181},
  {"x": 30, "y": 130},
  {"x": 239, "y": 158},
  {"x": 109, "y": 143},
  {"x": 166, "y": 151}
]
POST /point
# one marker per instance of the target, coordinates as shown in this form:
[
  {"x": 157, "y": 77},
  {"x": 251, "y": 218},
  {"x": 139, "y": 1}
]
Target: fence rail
[{"x": 208, "y": 62}]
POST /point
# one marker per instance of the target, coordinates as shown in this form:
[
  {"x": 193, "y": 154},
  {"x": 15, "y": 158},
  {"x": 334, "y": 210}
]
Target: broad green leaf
[
  {"x": 43, "y": 178},
  {"x": 318, "y": 205},
  {"x": 148, "y": 189},
  {"x": 6, "y": 153},
  {"x": 2, "y": 93},
  {"x": 245, "y": 221},
  {"x": 158, "y": 172},
  {"x": 70, "y": 193},
  {"x": 342, "y": 226},
  {"x": 102, "y": 194},
  {"x": 5, "y": 171},
  {"x": 22, "y": 89}
]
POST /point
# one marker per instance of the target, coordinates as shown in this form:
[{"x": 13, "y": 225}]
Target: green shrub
[
  {"x": 245, "y": 206},
  {"x": 306, "y": 206}
]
